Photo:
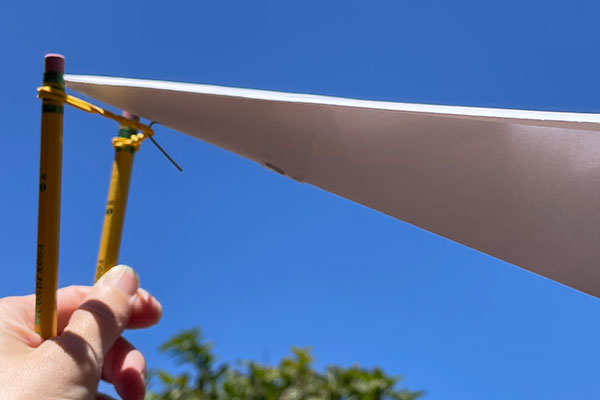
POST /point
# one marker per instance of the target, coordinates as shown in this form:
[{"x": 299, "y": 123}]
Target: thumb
[{"x": 105, "y": 313}]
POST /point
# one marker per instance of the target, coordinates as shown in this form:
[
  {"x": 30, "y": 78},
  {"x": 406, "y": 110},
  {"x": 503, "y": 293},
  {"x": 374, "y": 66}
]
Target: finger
[
  {"x": 68, "y": 299},
  {"x": 21, "y": 311},
  {"x": 125, "y": 368},
  {"x": 105, "y": 313},
  {"x": 146, "y": 311}
]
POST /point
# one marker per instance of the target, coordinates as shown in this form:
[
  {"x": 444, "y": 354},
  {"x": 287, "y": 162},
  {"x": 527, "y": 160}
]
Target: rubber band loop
[
  {"x": 59, "y": 96},
  {"x": 134, "y": 141}
]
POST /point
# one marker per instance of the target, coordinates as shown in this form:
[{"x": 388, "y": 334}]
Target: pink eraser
[
  {"x": 129, "y": 115},
  {"x": 54, "y": 63}
]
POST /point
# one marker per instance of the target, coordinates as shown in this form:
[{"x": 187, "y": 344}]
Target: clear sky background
[{"x": 261, "y": 262}]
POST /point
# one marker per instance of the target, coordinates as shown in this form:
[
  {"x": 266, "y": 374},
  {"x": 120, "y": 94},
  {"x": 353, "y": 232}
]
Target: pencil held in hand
[{"x": 46, "y": 282}]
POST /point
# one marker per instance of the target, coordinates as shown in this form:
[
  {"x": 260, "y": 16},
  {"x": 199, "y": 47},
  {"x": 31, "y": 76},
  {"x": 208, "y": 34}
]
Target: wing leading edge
[{"x": 522, "y": 186}]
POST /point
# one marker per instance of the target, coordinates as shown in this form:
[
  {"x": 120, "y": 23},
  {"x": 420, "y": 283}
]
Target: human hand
[{"x": 89, "y": 346}]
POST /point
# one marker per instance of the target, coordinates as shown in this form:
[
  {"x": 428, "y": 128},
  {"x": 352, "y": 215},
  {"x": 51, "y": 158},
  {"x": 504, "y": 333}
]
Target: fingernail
[
  {"x": 123, "y": 278},
  {"x": 160, "y": 310},
  {"x": 148, "y": 297}
]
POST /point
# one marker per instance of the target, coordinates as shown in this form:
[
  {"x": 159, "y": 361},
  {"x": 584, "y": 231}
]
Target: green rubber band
[
  {"x": 54, "y": 77},
  {"x": 53, "y": 108},
  {"x": 126, "y": 132}
]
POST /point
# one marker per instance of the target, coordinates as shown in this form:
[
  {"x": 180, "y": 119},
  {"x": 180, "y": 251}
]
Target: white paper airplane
[{"x": 522, "y": 186}]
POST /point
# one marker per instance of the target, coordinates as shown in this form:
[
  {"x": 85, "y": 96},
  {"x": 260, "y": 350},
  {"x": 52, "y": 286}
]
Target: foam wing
[{"x": 523, "y": 186}]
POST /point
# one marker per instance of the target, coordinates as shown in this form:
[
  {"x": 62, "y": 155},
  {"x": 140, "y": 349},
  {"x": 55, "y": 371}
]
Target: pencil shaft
[
  {"x": 49, "y": 211},
  {"x": 114, "y": 217}
]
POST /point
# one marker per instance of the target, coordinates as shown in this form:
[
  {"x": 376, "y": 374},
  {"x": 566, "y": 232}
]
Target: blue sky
[{"x": 262, "y": 262}]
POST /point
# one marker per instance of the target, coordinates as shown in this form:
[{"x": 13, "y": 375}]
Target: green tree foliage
[{"x": 292, "y": 379}]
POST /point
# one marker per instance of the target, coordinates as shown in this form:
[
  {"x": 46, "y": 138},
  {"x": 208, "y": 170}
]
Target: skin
[{"x": 89, "y": 346}]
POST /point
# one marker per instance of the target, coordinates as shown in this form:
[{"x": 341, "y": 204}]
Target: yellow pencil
[
  {"x": 110, "y": 242},
  {"x": 49, "y": 201}
]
